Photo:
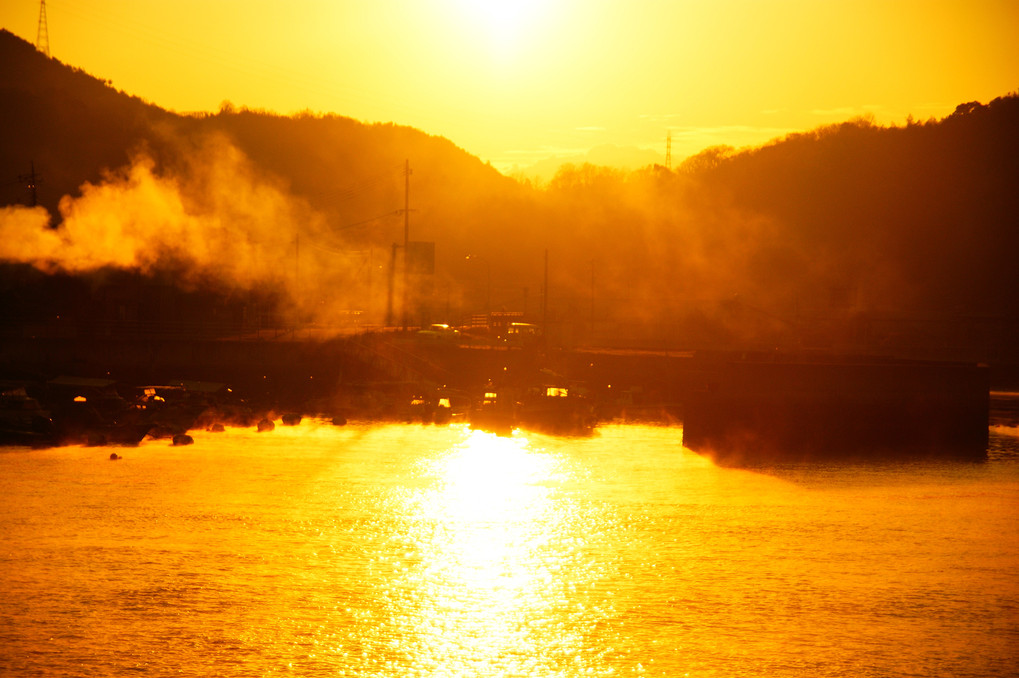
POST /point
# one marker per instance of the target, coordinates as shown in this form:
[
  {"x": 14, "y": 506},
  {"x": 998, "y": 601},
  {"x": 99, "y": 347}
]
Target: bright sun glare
[
  {"x": 501, "y": 23},
  {"x": 484, "y": 539},
  {"x": 488, "y": 477}
]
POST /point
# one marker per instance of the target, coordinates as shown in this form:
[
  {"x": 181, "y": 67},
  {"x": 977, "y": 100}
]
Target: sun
[{"x": 503, "y": 25}]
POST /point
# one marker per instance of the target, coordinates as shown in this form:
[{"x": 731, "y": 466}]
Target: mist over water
[{"x": 408, "y": 550}]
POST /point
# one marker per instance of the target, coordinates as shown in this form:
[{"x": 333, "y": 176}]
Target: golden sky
[{"x": 516, "y": 81}]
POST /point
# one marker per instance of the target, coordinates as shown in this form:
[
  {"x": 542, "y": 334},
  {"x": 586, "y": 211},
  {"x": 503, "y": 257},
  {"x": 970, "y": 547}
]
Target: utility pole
[
  {"x": 30, "y": 180},
  {"x": 488, "y": 281},
  {"x": 390, "y": 321},
  {"x": 371, "y": 265},
  {"x": 544, "y": 307},
  {"x": 406, "y": 239},
  {"x": 591, "y": 340},
  {"x": 42, "y": 36}
]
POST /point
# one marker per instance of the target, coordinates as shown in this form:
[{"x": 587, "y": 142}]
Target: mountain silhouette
[{"x": 854, "y": 236}]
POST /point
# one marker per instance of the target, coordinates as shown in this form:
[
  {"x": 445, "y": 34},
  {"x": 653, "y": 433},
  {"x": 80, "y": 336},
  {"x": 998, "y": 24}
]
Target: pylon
[{"x": 42, "y": 36}]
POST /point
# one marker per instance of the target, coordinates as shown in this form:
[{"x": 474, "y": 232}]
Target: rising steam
[{"x": 217, "y": 220}]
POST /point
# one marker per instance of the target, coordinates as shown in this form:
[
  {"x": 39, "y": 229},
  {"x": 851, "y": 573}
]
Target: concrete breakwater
[
  {"x": 297, "y": 374},
  {"x": 807, "y": 405},
  {"x": 773, "y": 411}
]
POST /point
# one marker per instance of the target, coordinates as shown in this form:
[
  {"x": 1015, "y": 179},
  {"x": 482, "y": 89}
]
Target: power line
[
  {"x": 406, "y": 238},
  {"x": 368, "y": 221}
]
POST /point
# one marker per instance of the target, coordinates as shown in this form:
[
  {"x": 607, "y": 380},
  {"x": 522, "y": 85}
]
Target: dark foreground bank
[{"x": 789, "y": 405}]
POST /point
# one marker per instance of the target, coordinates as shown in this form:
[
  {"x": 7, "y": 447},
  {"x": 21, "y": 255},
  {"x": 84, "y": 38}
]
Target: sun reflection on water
[
  {"x": 486, "y": 588},
  {"x": 489, "y": 480}
]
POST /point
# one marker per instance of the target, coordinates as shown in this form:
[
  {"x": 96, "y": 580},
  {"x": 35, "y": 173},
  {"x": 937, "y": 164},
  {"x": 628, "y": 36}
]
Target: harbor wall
[
  {"x": 755, "y": 411},
  {"x": 771, "y": 406}
]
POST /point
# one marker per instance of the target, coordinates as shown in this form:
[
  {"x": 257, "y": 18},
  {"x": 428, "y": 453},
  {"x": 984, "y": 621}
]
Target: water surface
[{"x": 437, "y": 551}]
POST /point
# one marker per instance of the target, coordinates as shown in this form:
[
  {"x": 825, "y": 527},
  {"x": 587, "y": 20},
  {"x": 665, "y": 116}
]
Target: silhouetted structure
[
  {"x": 42, "y": 35},
  {"x": 762, "y": 411}
]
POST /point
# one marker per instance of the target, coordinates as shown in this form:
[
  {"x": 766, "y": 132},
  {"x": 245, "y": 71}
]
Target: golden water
[{"x": 437, "y": 551}]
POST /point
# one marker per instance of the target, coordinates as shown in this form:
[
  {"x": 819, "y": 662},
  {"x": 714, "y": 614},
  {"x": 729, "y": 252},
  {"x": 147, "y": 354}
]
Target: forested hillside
[{"x": 851, "y": 236}]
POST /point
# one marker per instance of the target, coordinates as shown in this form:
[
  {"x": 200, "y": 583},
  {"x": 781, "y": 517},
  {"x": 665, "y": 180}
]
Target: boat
[
  {"x": 556, "y": 409},
  {"x": 551, "y": 408},
  {"x": 439, "y": 406},
  {"x": 23, "y": 421},
  {"x": 494, "y": 412},
  {"x": 89, "y": 411},
  {"x": 174, "y": 409}
]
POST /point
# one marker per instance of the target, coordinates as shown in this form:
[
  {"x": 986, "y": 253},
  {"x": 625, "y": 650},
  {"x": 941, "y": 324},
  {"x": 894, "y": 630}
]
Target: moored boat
[
  {"x": 91, "y": 411},
  {"x": 556, "y": 410},
  {"x": 23, "y": 421},
  {"x": 494, "y": 412}
]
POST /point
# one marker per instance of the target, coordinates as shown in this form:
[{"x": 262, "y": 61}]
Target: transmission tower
[
  {"x": 668, "y": 150},
  {"x": 42, "y": 36}
]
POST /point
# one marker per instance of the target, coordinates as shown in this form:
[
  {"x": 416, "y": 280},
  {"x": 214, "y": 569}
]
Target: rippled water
[{"x": 437, "y": 551}]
